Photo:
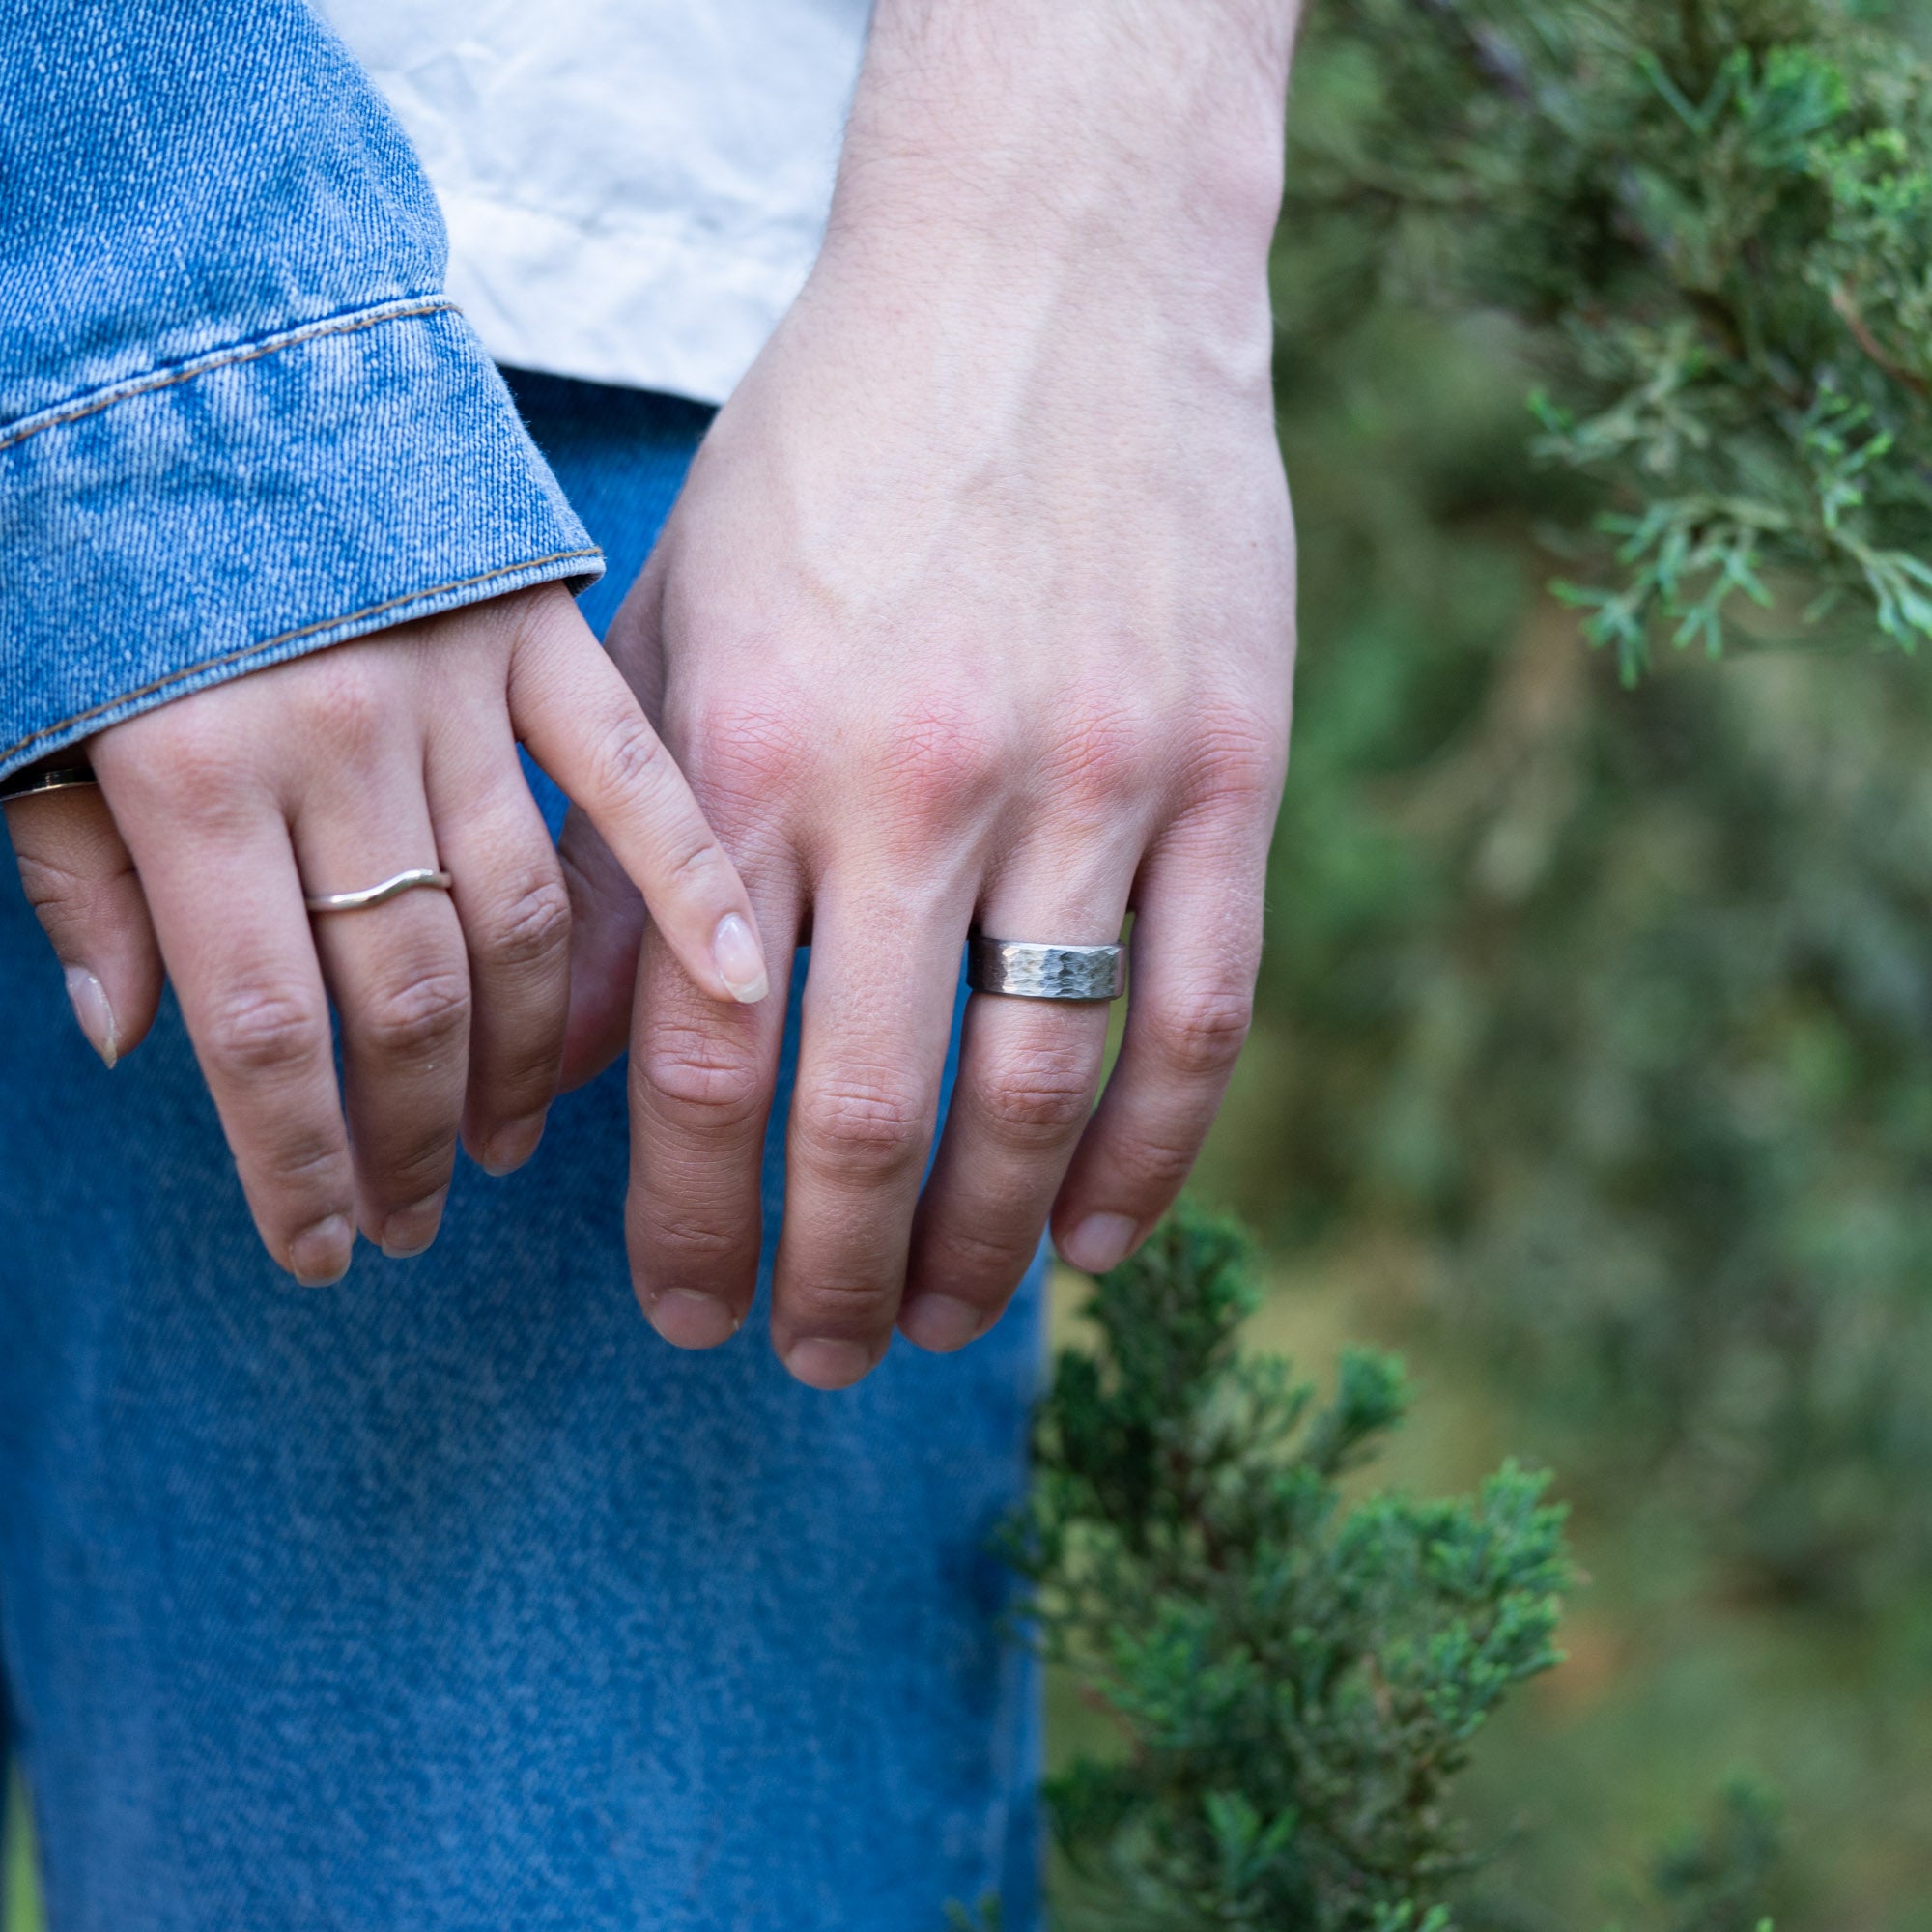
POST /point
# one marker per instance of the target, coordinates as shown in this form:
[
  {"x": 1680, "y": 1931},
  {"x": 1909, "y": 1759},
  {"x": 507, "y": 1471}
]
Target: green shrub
[
  {"x": 1295, "y": 1675},
  {"x": 1298, "y": 1680}
]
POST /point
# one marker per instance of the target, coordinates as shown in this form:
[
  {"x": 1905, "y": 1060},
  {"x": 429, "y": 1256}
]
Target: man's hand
[
  {"x": 336, "y": 771},
  {"x": 977, "y": 609}
]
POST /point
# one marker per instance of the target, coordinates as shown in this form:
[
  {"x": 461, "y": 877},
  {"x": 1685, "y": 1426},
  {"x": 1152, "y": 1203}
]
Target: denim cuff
[{"x": 202, "y": 521}]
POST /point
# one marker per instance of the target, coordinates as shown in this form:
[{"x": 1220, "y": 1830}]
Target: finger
[
  {"x": 607, "y": 927},
  {"x": 701, "y": 1075},
  {"x": 400, "y": 981},
  {"x": 215, "y": 863},
  {"x": 515, "y": 915},
  {"x": 1197, "y": 945},
  {"x": 877, "y": 1018},
  {"x": 573, "y": 709},
  {"x": 1028, "y": 1073},
  {"x": 79, "y": 879}
]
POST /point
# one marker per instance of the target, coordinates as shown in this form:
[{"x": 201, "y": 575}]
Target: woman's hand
[
  {"x": 335, "y": 772},
  {"x": 977, "y": 608}
]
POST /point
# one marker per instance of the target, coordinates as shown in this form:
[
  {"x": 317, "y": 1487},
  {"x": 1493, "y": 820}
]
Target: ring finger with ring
[
  {"x": 394, "y": 961},
  {"x": 1029, "y": 1061}
]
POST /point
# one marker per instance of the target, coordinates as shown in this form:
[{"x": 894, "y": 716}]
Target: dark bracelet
[{"x": 45, "y": 778}]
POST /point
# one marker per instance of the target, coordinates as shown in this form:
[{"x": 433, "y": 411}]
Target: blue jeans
[{"x": 451, "y": 1596}]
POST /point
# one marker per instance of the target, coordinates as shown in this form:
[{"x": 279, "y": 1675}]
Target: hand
[
  {"x": 334, "y": 772},
  {"x": 976, "y": 608}
]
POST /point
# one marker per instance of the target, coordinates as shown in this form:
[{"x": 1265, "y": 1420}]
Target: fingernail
[
  {"x": 688, "y": 1319},
  {"x": 89, "y": 999},
  {"x": 741, "y": 960},
  {"x": 1099, "y": 1242},
  {"x": 508, "y": 1147},
  {"x": 822, "y": 1364},
  {"x": 940, "y": 1322},
  {"x": 411, "y": 1230},
  {"x": 319, "y": 1256}
]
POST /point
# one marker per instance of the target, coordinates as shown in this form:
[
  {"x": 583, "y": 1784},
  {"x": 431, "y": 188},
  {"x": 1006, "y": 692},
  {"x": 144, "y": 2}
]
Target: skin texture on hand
[
  {"x": 332, "y": 773},
  {"x": 977, "y": 609}
]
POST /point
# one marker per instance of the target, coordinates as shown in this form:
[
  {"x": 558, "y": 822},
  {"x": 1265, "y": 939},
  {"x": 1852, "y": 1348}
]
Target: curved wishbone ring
[{"x": 375, "y": 896}]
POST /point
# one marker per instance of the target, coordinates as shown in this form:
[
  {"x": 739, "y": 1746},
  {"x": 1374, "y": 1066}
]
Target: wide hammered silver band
[
  {"x": 375, "y": 896},
  {"x": 1026, "y": 971}
]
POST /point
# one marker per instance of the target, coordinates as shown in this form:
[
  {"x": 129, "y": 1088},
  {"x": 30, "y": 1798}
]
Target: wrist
[{"x": 1148, "y": 151}]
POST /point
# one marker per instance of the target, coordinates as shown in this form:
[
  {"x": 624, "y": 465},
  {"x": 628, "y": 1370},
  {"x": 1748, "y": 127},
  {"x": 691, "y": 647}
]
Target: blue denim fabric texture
[
  {"x": 451, "y": 1598},
  {"x": 239, "y": 420}
]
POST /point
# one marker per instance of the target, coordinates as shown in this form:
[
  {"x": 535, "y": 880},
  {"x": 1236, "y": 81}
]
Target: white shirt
[{"x": 635, "y": 189}]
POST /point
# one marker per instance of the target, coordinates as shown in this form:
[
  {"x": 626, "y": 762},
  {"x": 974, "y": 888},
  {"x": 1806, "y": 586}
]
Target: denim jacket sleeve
[{"x": 239, "y": 419}]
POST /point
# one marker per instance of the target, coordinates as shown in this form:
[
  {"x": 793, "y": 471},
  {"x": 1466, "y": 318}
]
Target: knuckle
[
  {"x": 683, "y": 1243},
  {"x": 1235, "y": 758},
  {"x": 192, "y": 764},
  {"x": 420, "y": 1015},
  {"x": 1038, "y": 1095},
  {"x": 522, "y": 1075},
  {"x": 46, "y": 882},
  {"x": 702, "y": 1081},
  {"x": 531, "y": 925},
  {"x": 259, "y": 1030},
  {"x": 178, "y": 737},
  {"x": 844, "y": 1306},
  {"x": 996, "y": 1251},
  {"x": 418, "y": 1166},
  {"x": 867, "y": 1120},
  {"x": 305, "y": 1164},
  {"x": 699, "y": 858},
  {"x": 1152, "y": 1166},
  {"x": 747, "y": 764},
  {"x": 940, "y": 764},
  {"x": 1102, "y": 758},
  {"x": 1200, "y": 1034},
  {"x": 629, "y": 758},
  {"x": 348, "y": 707},
  {"x": 740, "y": 758},
  {"x": 67, "y": 899},
  {"x": 189, "y": 771}
]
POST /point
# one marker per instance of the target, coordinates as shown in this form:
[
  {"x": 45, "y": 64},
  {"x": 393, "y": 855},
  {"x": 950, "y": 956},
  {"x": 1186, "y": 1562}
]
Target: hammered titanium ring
[{"x": 1022, "y": 969}]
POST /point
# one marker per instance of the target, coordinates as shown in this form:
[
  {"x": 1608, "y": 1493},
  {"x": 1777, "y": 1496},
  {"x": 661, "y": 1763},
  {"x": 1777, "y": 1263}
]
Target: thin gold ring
[{"x": 375, "y": 896}]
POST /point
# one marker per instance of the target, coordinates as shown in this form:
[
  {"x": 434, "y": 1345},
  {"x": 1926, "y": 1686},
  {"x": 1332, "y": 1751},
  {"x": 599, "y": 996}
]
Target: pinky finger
[
  {"x": 78, "y": 878},
  {"x": 1196, "y": 952},
  {"x": 572, "y": 708}
]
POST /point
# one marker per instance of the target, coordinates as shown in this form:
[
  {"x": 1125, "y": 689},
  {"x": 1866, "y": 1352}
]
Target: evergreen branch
[{"x": 1712, "y": 219}]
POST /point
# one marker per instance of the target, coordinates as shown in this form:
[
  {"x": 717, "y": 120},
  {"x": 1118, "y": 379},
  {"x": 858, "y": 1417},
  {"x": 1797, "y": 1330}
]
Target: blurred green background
[{"x": 1593, "y": 1072}]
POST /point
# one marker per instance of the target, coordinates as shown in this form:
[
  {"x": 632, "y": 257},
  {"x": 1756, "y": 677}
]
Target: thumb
[
  {"x": 80, "y": 881},
  {"x": 606, "y": 927}
]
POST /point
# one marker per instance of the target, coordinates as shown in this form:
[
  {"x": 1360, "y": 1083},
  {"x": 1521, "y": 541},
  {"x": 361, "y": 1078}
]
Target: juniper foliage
[
  {"x": 1607, "y": 1008},
  {"x": 1714, "y": 1880},
  {"x": 1297, "y": 1677},
  {"x": 1714, "y": 220}
]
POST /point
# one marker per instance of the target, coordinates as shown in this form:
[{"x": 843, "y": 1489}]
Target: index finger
[
  {"x": 574, "y": 711},
  {"x": 227, "y": 906}
]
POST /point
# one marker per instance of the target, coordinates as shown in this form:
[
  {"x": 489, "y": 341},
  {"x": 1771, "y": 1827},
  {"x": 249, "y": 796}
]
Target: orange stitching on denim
[
  {"x": 289, "y": 637},
  {"x": 219, "y": 358}
]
